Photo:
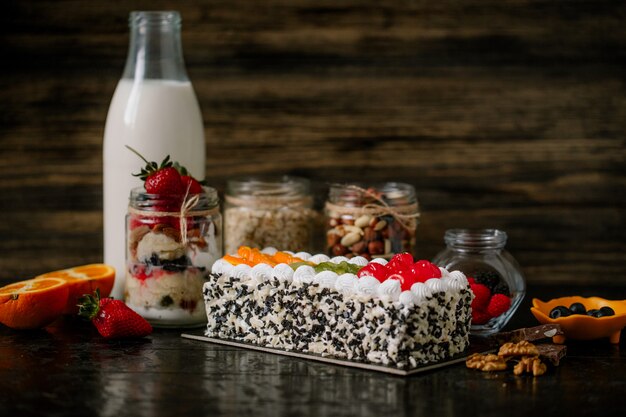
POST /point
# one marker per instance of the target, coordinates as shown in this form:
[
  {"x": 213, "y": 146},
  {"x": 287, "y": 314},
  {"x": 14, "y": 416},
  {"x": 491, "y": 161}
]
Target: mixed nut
[{"x": 368, "y": 236}]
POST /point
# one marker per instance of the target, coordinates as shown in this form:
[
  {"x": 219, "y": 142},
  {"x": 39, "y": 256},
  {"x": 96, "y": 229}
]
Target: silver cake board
[{"x": 475, "y": 347}]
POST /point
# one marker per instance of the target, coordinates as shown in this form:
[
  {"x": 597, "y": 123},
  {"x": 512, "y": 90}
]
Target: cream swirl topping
[
  {"x": 444, "y": 272},
  {"x": 241, "y": 271},
  {"x": 421, "y": 291},
  {"x": 326, "y": 279},
  {"x": 304, "y": 274},
  {"x": 346, "y": 283},
  {"x": 358, "y": 260},
  {"x": 454, "y": 284},
  {"x": 319, "y": 258},
  {"x": 436, "y": 285},
  {"x": 283, "y": 272},
  {"x": 458, "y": 275},
  {"x": 270, "y": 250},
  {"x": 367, "y": 285},
  {"x": 222, "y": 267},
  {"x": 305, "y": 256},
  {"x": 261, "y": 272},
  {"x": 339, "y": 259},
  {"x": 390, "y": 289},
  {"x": 408, "y": 298}
]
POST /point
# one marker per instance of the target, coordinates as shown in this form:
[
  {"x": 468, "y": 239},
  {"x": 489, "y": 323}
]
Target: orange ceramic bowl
[{"x": 579, "y": 326}]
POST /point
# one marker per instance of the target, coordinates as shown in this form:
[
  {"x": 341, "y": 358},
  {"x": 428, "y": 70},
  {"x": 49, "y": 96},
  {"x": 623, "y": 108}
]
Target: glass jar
[
  {"x": 171, "y": 244},
  {"x": 379, "y": 221},
  {"x": 265, "y": 212},
  {"x": 481, "y": 255}
]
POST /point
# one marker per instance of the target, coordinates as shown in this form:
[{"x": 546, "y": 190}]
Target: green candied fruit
[
  {"x": 297, "y": 265},
  {"x": 341, "y": 268}
]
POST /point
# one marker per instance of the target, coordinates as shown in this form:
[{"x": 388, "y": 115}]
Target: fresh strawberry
[
  {"x": 471, "y": 280},
  {"x": 480, "y": 316},
  {"x": 164, "y": 179},
  {"x": 481, "y": 296},
  {"x": 113, "y": 318},
  {"x": 376, "y": 270},
  {"x": 191, "y": 184},
  {"x": 498, "y": 304}
]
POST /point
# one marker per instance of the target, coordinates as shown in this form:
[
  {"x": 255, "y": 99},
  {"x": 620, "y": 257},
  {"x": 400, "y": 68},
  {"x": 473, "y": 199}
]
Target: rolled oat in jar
[
  {"x": 265, "y": 212},
  {"x": 373, "y": 222}
]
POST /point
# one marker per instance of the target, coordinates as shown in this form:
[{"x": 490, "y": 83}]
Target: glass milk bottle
[{"x": 154, "y": 110}]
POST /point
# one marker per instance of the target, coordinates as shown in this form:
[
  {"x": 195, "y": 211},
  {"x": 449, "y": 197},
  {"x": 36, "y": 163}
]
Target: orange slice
[
  {"x": 33, "y": 303},
  {"x": 83, "y": 280}
]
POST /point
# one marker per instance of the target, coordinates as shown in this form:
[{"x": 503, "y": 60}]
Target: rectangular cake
[{"x": 340, "y": 308}]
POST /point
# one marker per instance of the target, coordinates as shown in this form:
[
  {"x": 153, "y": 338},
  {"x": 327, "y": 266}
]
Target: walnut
[
  {"x": 523, "y": 348},
  {"x": 530, "y": 364},
  {"x": 488, "y": 362}
]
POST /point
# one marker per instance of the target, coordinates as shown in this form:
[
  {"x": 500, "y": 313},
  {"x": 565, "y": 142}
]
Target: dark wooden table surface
[{"x": 67, "y": 369}]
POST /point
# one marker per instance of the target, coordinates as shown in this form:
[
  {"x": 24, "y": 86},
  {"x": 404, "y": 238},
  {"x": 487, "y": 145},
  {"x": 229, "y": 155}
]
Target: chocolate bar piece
[
  {"x": 529, "y": 334},
  {"x": 552, "y": 352}
]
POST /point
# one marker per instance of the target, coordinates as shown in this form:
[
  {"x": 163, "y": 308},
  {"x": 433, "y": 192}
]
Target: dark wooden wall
[{"x": 506, "y": 114}]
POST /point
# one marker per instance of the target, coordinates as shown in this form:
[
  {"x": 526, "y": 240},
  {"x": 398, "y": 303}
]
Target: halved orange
[
  {"x": 83, "y": 280},
  {"x": 33, "y": 303}
]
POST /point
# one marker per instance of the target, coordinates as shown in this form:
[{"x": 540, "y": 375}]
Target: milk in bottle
[{"x": 154, "y": 110}]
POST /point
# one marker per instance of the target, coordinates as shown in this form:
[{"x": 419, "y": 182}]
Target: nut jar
[
  {"x": 171, "y": 244},
  {"x": 265, "y": 212},
  {"x": 379, "y": 221},
  {"x": 481, "y": 255}
]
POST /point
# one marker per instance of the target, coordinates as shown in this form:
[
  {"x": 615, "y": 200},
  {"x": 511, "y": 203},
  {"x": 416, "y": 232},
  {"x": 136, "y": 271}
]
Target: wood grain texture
[{"x": 507, "y": 114}]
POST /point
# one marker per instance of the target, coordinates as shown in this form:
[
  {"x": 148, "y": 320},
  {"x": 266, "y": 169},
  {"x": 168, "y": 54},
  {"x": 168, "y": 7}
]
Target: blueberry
[
  {"x": 560, "y": 311},
  {"x": 578, "y": 308},
  {"x": 606, "y": 311},
  {"x": 593, "y": 312}
]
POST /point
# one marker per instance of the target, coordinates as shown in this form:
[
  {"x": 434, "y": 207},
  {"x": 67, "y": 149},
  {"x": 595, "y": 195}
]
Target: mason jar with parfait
[{"x": 173, "y": 237}]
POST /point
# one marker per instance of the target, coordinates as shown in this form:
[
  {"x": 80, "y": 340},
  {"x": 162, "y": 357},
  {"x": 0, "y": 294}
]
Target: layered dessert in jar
[{"x": 173, "y": 238}]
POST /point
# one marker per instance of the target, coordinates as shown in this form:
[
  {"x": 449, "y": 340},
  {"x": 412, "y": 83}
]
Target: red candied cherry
[
  {"x": 406, "y": 278},
  {"x": 400, "y": 262},
  {"x": 374, "y": 269},
  {"x": 425, "y": 270}
]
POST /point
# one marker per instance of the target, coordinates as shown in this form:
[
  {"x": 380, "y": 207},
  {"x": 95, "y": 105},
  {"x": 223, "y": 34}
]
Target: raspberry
[
  {"x": 480, "y": 316},
  {"x": 481, "y": 296},
  {"x": 498, "y": 304},
  {"x": 471, "y": 280}
]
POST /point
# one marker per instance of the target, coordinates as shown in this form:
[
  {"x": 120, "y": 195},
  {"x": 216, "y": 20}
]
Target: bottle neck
[{"x": 155, "y": 50}]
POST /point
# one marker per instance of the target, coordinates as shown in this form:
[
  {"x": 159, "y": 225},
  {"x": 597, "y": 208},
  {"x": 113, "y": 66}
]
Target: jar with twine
[
  {"x": 171, "y": 245},
  {"x": 263, "y": 212},
  {"x": 374, "y": 222}
]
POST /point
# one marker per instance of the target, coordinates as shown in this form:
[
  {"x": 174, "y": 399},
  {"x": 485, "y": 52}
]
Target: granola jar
[
  {"x": 171, "y": 244},
  {"x": 481, "y": 255},
  {"x": 374, "y": 222},
  {"x": 265, "y": 212}
]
